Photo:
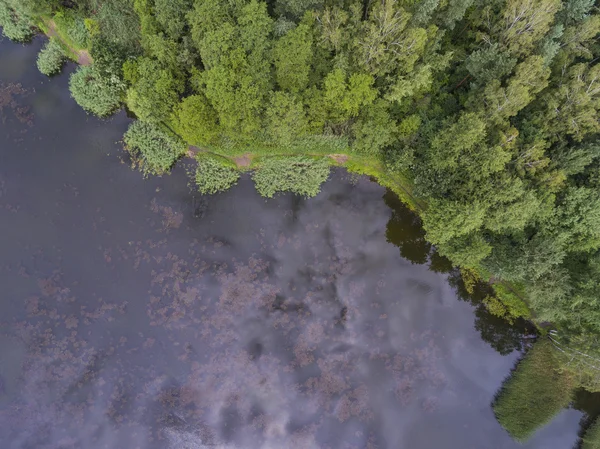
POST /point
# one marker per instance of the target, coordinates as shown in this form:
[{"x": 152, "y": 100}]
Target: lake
[{"x": 137, "y": 313}]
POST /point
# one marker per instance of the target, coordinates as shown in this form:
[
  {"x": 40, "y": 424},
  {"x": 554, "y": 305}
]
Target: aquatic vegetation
[
  {"x": 51, "y": 58},
  {"x": 591, "y": 437},
  {"x": 301, "y": 175},
  {"x": 95, "y": 91},
  {"x": 535, "y": 392},
  {"x": 16, "y": 20},
  {"x": 153, "y": 147},
  {"x": 215, "y": 174}
]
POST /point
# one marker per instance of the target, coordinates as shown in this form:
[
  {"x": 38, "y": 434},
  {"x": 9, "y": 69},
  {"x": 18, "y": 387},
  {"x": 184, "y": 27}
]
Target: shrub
[
  {"x": 535, "y": 392},
  {"x": 51, "y": 58},
  {"x": 591, "y": 438},
  {"x": 153, "y": 147},
  {"x": 298, "y": 174},
  {"x": 97, "y": 92},
  {"x": 213, "y": 175},
  {"x": 14, "y": 26}
]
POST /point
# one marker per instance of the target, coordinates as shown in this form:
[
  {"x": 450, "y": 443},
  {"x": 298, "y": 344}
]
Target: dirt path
[
  {"x": 83, "y": 56},
  {"x": 339, "y": 158},
  {"x": 243, "y": 161}
]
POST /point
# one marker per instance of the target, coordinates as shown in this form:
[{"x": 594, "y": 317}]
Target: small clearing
[
  {"x": 339, "y": 158},
  {"x": 243, "y": 161},
  {"x": 193, "y": 151}
]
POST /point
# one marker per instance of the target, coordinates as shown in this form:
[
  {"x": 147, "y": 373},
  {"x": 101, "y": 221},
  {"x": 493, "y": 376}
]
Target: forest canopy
[{"x": 486, "y": 111}]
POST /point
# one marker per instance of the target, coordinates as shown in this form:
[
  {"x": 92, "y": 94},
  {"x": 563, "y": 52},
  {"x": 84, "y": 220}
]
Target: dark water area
[{"x": 139, "y": 314}]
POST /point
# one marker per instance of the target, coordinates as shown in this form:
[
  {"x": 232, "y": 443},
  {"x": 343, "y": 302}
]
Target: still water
[{"x": 139, "y": 314}]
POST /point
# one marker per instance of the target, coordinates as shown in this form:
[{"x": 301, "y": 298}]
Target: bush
[
  {"x": 14, "y": 26},
  {"x": 153, "y": 147},
  {"x": 301, "y": 175},
  {"x": 591, "y": 438},
  {"x": 535, "y": 392},
  {"x": 97, "y": 92},
  {"x": 214, "y": 175},
  {"x": 51, "y": 58}
]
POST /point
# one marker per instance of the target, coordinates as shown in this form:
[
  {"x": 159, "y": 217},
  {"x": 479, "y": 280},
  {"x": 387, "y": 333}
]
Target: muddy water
[{"x": 137, "y": 314}]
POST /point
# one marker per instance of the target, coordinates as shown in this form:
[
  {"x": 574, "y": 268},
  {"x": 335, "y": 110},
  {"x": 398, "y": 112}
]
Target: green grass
[{"x": 535, "y": 392}]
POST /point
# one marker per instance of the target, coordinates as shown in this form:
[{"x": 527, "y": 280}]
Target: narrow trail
[{"x": 83, "y": 56}]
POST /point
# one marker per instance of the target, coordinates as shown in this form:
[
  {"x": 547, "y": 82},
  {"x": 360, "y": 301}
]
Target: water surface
[{"x": 139, "y": 314}]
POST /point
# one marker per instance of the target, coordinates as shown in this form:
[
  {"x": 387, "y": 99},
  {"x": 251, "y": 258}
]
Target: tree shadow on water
[{"x": 405, "y": 230}]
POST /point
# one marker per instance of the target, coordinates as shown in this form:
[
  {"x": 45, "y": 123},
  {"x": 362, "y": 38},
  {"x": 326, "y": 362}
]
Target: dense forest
[{"x": 483, "y": 114}]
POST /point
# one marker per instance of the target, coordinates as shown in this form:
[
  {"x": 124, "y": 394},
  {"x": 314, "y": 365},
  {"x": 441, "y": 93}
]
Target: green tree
[
  {"x": 285, "y": 119},
  {"x": 293, "y": 54},
  {"x": 196, "y": 121},
  {"x": 154, "y": 90},
  {"x": 171, "y": 16},
  {"x": 234, "y": 46}
]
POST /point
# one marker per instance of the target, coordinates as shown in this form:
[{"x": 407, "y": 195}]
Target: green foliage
[
  {"x": 511, "y": 301},
  {"x": 170, "y": 15},
  {"x": 154, "y": 90},
  {"x": 293, "y": 53},
  {"x": 214, "y": 175},
  {"x": 96, "y": 92},
  {"x": 196, "y": 121},
  {"x": 235, "y": 49},
  {"x": 51, "y": 58},
  {"x": 119, "y": 24},
  {"x": 16, "y": 24},
  {"x": 300, "y": 175},
  {"x": 153, "y": 147},
  {"x": 591, "y": 438},
  {"x": 296, "y": 8},
  {"x": 286, "y": 119},
  {"x": 536, "y": 391}
]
